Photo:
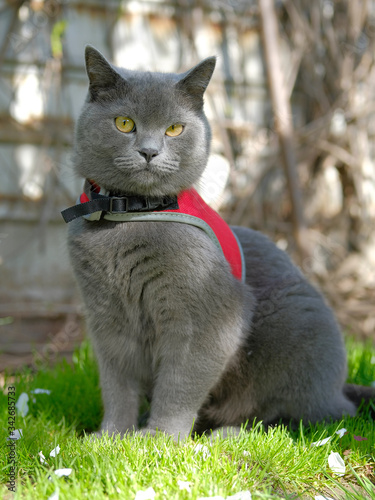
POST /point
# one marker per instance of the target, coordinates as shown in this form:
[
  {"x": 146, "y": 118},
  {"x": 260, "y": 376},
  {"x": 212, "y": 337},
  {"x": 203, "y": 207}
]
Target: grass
[{"x": 276, "y": 464}]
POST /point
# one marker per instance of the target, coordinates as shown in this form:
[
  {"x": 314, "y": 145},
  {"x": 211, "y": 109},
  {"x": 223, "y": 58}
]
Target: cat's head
[{"x": 142, "y": 132}]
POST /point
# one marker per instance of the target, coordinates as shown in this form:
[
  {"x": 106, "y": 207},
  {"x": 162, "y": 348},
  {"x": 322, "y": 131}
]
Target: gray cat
[{"x": 166, "y": 316}]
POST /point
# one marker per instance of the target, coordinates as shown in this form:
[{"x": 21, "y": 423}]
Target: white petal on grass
[
  {"x": 42, "y": 458},
  {"x": 16, "y": 434},
  {"x": 148, "y": 494},
  {"x": 321, "y": 442},
  {"x": 184, "y": 485},
  {"x": 55, "y": 451},
  {"x": 41, "y": 391},
  {"x": 63, "y": 472},
  {"x": 336, "y": 463},
  {"x": 54, "y": 496},
  {"x": 241, "y": 495},
  {"x": 21, "y": 405},
  {"x": 203, "y": 450},
  {"x": 341, "y": 432}
]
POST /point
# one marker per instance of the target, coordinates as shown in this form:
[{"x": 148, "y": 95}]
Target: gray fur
[{"x": 165, "y": 314}]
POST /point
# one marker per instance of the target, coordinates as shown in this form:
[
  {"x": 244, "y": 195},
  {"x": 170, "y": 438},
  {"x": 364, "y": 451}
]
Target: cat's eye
[
  {"x": 174, "y": 130},
  {"x": 124, "y": 124}
]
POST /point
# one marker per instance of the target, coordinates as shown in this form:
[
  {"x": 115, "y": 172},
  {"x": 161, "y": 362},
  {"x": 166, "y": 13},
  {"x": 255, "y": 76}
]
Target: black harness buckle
[
  {"x": 167, "y": 201},
  {"x": 118, "y": 204},
  {"x": 149, "y": 204}
]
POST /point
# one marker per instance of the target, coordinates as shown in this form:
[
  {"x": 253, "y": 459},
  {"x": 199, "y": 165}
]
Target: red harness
[
  {"x": 192, "y": 210},
  {"x": 191, "y": 203}
]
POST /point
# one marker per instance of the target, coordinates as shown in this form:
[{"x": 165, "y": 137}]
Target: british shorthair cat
[{"x": 169, "y": 314}]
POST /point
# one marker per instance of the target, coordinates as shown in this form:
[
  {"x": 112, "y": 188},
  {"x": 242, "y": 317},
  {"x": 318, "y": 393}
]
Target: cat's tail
[{"x": 361, "y": 396}]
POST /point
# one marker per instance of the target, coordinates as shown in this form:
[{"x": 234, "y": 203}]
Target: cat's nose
[{"x": 148, "y": 153}]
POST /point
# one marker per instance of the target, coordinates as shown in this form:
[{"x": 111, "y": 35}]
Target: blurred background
[{"x": 292, "y": 108}]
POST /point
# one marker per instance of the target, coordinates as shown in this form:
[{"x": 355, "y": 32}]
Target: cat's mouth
[{"x": 160, "y": 176}]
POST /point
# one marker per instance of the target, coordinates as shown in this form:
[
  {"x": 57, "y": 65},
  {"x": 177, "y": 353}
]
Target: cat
[{"x": 167, "y": 317}]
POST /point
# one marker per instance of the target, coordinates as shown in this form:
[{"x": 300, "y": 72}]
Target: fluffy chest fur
[{"x": 152, "y": 276}]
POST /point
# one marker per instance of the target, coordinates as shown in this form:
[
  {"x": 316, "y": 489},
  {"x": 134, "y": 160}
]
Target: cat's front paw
[{"x": 94, "y": 436}]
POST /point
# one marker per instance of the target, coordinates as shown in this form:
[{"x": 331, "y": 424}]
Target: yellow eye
[
  {"x": 174, "y": 130},
  {"x": 124, "y": 124}
]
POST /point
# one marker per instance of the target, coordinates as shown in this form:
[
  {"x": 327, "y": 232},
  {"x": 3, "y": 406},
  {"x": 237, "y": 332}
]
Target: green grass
[{"x": 276, "y": 464}]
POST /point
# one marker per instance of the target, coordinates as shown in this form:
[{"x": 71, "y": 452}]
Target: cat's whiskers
[
  {"x": 167, "y": 165},
  {"x": 166, "y": 168},
  {"x": 124, "y": 162},
  {"x": 171, "y": 164},
  {"x": 120, "y": 160}
]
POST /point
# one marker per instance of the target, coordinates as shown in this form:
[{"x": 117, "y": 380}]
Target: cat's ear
[
  {"x": 101, "y": 74},
  {"x": 194, "y": 82}
]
